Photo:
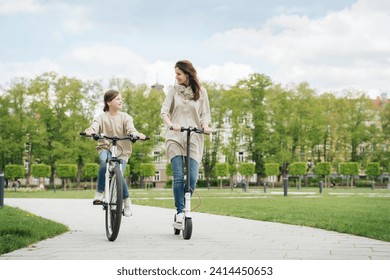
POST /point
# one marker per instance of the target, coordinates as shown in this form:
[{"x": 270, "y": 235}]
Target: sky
[{"x": 334, "y": 45}]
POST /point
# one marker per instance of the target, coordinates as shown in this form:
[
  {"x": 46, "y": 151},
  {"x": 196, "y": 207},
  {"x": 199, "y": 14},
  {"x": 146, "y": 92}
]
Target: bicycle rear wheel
[{"x": 114, "y": 206}]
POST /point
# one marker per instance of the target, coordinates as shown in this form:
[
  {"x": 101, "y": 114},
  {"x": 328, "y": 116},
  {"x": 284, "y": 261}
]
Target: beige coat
[
  {"x": 186, "y": 113},
  {"x": 119, "y": 125}
]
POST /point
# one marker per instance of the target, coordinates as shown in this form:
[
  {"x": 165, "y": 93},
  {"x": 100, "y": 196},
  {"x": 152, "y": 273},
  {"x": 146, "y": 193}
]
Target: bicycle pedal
[{"x": 97, "y": 202}]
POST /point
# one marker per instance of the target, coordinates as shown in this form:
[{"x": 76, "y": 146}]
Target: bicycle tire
[{"x": 114, "y": 206}]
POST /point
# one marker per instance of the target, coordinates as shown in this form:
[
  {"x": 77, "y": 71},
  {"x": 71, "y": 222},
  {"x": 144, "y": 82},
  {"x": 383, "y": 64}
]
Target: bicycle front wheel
[{"x": 114, "y": 206}]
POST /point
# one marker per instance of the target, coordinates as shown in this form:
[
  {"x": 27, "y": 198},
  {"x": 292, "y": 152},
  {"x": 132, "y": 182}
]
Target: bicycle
[
  {"x": 113, "y": 192},
  {"x": 187, "y": 220}
]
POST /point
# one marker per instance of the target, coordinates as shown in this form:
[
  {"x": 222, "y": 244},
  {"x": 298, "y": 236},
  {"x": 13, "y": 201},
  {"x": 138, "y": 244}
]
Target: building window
[
  {"x": 241, "y": 156},
  {"x": 157, "y": 156},
  {"x": 156, "y": 176}
]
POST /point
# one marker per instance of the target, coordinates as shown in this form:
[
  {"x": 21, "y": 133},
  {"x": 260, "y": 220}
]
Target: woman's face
[
  {"x": 116, "y": 103},
  {"x": 181, "y": 77}
]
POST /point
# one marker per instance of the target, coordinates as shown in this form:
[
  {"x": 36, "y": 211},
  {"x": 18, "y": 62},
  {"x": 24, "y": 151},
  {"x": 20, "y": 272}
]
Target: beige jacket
[
  {"x": 186, "y": 113},
  {"x": 119, "y": 125}
]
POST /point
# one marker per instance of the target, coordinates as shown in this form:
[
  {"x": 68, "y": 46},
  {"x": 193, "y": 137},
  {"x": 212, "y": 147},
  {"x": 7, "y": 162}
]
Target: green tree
[
  {"x": 373, "y": 171},
  {"x": 212, "y": 143},
  {"x": 236, "y": 125},
  {"x": 382, "y": 151},
  {"x": 257, "y": 84},
  {"x": 298, "y": 169},
  {"x": 247, "y": 169},
  {"x": 349, "y": 169},
  {"x": 271, "y": 169},
  {"x": 13, "y": 123},
  {"x": 356, "y": 110},
  {"x": 66, "y": 172},
  {"x": 221, "y": 170},
  {"x": 91, "y": 171},
  {"x": 40, "y": 171},
  {"x": 144, "y": 106},
  {"x": 148, "y": 170},
  {"x": 13, "y": 172},
  {"x": 323, "y": 169},
  {"x": 277, "y": 139}
]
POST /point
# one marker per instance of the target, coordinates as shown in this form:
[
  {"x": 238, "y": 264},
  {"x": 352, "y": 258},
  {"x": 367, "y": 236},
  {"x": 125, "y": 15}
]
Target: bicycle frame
[{"x": 110, "y": 169}]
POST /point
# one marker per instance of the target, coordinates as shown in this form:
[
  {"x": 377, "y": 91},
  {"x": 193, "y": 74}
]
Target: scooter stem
[{"x": 187, "y": 195}]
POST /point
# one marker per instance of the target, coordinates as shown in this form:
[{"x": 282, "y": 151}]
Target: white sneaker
[
  {"x": 179, "y": 218},
  {"x": 127, "y": 207},
  {"x": 178, "y": 224},
  {"x": 98, "y": 198}
]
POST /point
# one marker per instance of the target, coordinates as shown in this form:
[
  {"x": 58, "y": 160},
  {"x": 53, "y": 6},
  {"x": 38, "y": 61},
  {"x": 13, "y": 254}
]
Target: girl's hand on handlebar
[
  {"x": 175, "y": 127},
  {"x": 89, "y": 131}
]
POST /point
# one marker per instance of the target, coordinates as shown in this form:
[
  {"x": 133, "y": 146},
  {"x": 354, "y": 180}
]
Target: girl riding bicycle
[{"x": 113, "y": 122}]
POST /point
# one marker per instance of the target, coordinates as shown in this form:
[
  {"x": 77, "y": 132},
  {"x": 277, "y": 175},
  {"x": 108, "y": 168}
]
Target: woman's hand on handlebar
[
  {"x": 207, "y": 129},
  {"x": 142, "y": 136}
]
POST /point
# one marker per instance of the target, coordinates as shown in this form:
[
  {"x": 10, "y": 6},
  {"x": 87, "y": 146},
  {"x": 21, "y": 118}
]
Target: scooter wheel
[{"x": 187, "y": 232}]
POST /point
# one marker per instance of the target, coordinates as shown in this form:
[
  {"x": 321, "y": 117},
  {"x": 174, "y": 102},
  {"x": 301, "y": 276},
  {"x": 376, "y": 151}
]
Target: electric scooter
[{"x": 186, "y": 227}]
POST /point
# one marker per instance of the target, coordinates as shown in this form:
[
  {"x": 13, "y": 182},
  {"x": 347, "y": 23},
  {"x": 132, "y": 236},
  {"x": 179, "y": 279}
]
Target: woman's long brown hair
[{"x": 187, "y": 67}]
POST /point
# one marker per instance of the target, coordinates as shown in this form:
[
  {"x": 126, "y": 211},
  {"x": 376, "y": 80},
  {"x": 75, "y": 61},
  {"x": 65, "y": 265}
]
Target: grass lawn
[
  {"x": 19, "y": 229},
  {"x": 359, "y": 211}
]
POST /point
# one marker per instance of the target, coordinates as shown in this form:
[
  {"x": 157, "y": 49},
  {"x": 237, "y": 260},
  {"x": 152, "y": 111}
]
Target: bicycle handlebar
[{"x": 131, "y": 137}]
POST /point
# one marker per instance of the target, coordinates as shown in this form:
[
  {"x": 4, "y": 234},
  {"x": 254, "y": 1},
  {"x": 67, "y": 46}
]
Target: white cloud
[
  {"x": 27, "y": 69},
  {"x": 78, "y": 21},
  {"x": 346, "y": 48},
  {"x": 343, "y": 49},
  {"x": 100, "y": 61},
  {"x": 227, "y": 74},
  {"x": 21, "y": 6}
]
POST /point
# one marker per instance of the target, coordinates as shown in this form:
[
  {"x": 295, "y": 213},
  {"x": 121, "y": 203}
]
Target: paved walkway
[{"x": 148, "y": 235}]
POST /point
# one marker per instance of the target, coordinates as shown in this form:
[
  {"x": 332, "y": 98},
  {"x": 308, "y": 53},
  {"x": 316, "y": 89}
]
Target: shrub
[{"x": 13, "y": 171}]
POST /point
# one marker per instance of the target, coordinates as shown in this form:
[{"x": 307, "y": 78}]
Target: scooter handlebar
[{"x": 190, "y": 128}]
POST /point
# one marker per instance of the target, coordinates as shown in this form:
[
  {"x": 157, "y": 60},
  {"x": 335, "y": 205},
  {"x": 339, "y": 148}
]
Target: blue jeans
[
  {"x": 104, "y": 156},
  {"x": 178, "y": 164}
]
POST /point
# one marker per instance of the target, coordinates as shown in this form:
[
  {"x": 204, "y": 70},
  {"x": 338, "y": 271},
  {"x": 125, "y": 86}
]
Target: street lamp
[{"x": 28, "y": 161}]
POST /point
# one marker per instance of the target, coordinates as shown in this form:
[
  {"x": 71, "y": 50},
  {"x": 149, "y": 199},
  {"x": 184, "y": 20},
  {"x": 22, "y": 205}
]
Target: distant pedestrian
[{"x": 243, "y": 185}]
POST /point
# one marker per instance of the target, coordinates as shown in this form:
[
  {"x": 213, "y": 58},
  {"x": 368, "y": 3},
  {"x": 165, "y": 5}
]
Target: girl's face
[
  {"x": 181, "y": 77},
  {"x": 116, "y": 103}
]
